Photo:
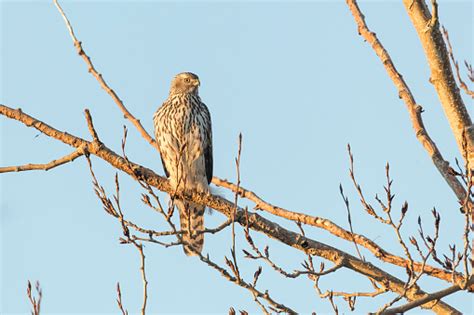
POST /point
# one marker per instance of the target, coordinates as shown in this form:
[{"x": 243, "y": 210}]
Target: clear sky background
[{"x": 294, "y": 77}]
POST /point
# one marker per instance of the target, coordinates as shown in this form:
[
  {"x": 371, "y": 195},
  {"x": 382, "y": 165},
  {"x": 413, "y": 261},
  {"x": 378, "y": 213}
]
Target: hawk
[{"x": 184, "y": 136}]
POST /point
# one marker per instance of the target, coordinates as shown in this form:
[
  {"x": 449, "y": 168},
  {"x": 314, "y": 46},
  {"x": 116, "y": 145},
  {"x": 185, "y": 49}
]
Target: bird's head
[{"x": 185, "y": 82}]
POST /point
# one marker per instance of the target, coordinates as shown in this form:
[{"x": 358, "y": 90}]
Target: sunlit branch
[
  {"x": 255, "y": 221},
  {"x": 136, "y": 122},
  {"x": 45, "y": 167}
]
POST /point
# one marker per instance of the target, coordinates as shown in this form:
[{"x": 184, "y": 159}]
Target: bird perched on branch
[{"x": 184, "y": 136}]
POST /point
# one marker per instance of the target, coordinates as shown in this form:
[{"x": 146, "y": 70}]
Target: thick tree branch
[
  {"x": 255, "y": 221},
  {"x": 441, "y": 73}
]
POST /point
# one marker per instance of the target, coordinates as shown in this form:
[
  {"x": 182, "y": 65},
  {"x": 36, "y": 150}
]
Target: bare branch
[
  {"x": 367, "y": 206},
  {"x": 462, "y": 84},
  {"x": 35, "y": 302},
  {"x": 266, "y": 257},
  {"x": 349, "y": 219},
  {"x": 226, "y": 207},
  {"x": 404, "y": 93},
  {"x": 468, "y": 211},
  {"x": 240, "y": 282},
  {"x": 143, "y": 273},
  {"x": 90, "y": 125},
  {"x": 236, "y": 199},
  {"x": 148, "y": 179},
  {"x": 136, "y": 122},
  {"x": 331, "y": 300},
  {"x": 119, "y": 300},
  {"x": 470, "y": 71},
  {"x": 45, "y": 167},
  {"x": 436, "y": 296},
  {"x": 441, "y": 73},
  {"x": 355, "y": 294},
  {"x": 117, "y": 212},
  {"x": 233, "y": 265},
  {"x": 336, "y": 230}
]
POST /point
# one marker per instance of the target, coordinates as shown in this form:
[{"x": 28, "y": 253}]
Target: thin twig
[
  {"x": 349, "y": 219},
  {"x": 119, "y": 300},
  {"x": 367, "y": 206},
  {"x": 296, "y": 273},
  {"x": 333, "y": 304},
  {"x": 355, "y": 294},
  {"x": 264, "y": 295},
  {"x": 35, "y": 302},
  {"x": 470, "y": 71},
  {"x": 236, "y": 198},
  {"x": 468, "y": 211},
  {"x": 456, "y": 65},
  {"x": 90, "y": 125},
  {"x": 139, "y": 247}
]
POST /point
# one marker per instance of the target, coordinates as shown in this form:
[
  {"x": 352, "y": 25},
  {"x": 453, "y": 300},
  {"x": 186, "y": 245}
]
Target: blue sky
[{"x": 293, "y": 77}]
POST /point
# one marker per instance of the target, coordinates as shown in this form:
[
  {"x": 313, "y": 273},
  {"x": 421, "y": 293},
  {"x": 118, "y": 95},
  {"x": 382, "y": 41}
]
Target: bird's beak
[{"x": 197, "y": 82}]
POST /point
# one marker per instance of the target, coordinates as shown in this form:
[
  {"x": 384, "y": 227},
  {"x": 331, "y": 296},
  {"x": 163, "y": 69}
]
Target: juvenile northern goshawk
[{"x": 183, "y": 133}]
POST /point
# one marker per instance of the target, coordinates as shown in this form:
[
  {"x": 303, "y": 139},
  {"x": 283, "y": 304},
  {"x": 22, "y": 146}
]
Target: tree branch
[
  {"x": 227, "y": 208},
  {"x": 35, "y": 302},
  {"x": 462, "y": 84},
  {"x": 405, "y": 94},
  {"x": 136, "y": 122},
  {"x": 441, "y": 73},
  {"x": 45, "y": 167},
  {"x": 119, "y": 300},
  {"x": 436, "y": 296},
  {"x": 338, "y": 231},
  {"x": 143, "y": 132}
]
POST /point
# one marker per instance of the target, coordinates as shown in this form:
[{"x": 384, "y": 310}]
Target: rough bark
[{"x": 427, "y": 27}]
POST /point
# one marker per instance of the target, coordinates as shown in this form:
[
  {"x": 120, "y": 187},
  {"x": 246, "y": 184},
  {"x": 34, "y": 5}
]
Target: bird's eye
[{"x": 187, "y": 80}]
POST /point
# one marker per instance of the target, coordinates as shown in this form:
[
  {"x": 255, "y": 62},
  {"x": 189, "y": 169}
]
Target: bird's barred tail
[{"x": 191, "y": 217}]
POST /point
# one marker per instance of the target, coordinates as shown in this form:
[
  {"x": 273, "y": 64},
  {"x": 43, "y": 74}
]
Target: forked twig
[
  {"x": 119, "y": 300},
  {"x": 35, "y": 301}
]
